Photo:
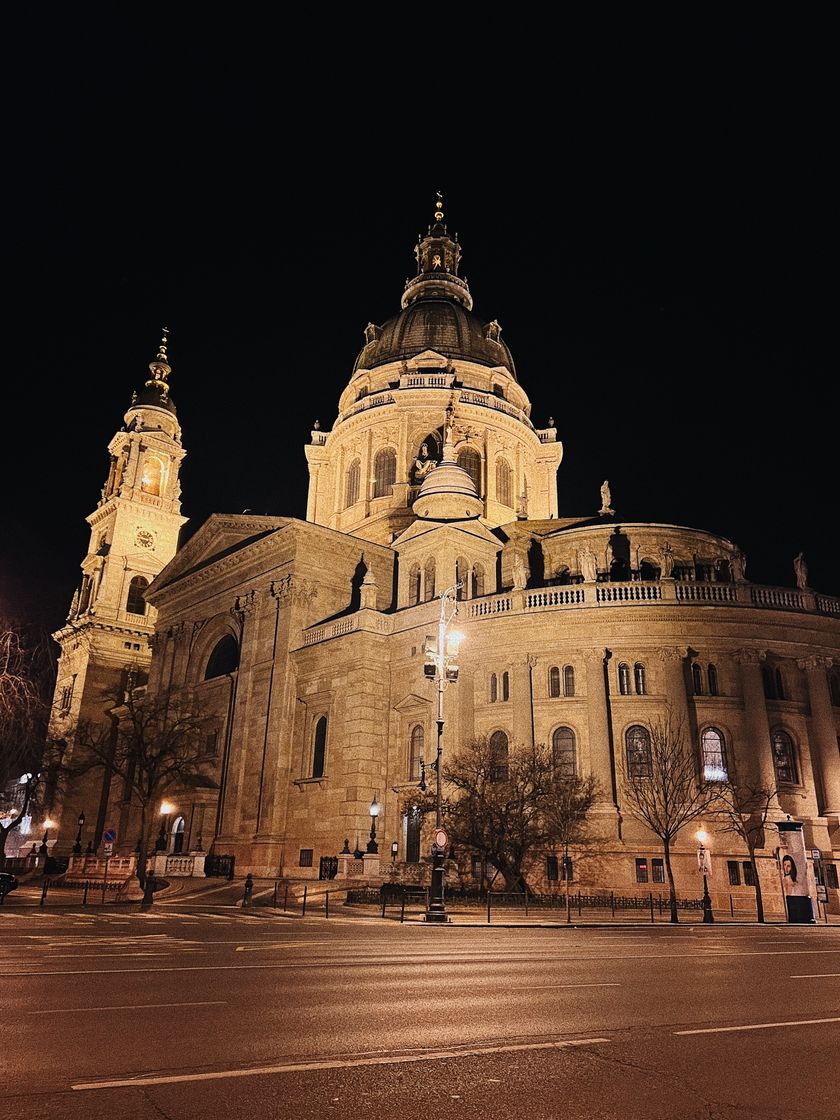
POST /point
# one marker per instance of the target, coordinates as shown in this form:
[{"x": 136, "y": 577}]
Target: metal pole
[
  {"x": 84, "y": 896},
  {"x": 708, "y": 916},
  {"x": 488, "y": 906},
  {"x": 327, "y": 905},
  {"x": 286, "y": 896},
  {"x": 652, "y": 919},
  {"x": 437, "y": 908},
  {"x": 303, "y": 911}
]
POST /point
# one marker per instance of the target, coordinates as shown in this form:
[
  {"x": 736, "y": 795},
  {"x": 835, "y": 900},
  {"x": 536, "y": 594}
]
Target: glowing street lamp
[
  {"x": 704, "y": 865},
  {"x": 441, "y": 666},
  {"x": 166, "y": 809},
  {"x": 375, "y": 810}
]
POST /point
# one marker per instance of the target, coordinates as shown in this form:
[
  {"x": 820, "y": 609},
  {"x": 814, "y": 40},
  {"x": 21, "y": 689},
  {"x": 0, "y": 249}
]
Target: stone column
[
  {"x": 673, "y": 661},
  {"x": 755, "y": 718},
  {"x": 520, "y": 694},
  {"x": 600, "y": 759},
  {"x": 823, "y": 731}
]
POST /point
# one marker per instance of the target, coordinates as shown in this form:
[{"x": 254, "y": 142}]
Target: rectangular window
[
  {"x": 641, "y": 871},
  {"x": 831, "y": 875},
  {"x": 552, "y": 872},
  {"x": 749, "y": 875},
  {"x": 475, "y": 867},
  {"x": 658, "y": 870},
  {"x": 306, "y": 855},
  {"x": 734, "y": 873}
]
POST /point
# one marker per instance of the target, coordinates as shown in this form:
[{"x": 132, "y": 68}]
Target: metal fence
[{"x": 94, "y": 890}]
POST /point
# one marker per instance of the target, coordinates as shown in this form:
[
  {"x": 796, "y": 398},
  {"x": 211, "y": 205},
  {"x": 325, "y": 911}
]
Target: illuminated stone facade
[{"x": 577, "y": 629}]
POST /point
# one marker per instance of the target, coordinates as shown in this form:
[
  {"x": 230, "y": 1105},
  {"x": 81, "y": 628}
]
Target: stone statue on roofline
[
  {"x": 606, "y": 498},
  {"x": 800, "y": 569}
]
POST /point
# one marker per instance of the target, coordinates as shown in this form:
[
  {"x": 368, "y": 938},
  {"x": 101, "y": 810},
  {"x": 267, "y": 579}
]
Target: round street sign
[
  {"x": 441, "y": 839},
  {"x": 109, "y": 836}
]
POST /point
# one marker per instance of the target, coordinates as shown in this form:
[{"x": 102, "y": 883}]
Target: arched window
[
  {"x": 462, "y": 575},
  {"x": 564, "y": 753},
  {"x": 506, "y": 685},
  {"x": 135, "y": 603},
  {"x": 834, "y": 688},
  {"x": 151, "y": 479},
  {"x": 714, "y": 755},
  {"x": 415, "y": 752},
  {"x": 384, "y": 472},
  {"x": 470, "y": 461},
  {"x": 494, "y": 688},
  {"x": 649, "y": 570},
  {"x": 498, "y": 757},
  {"x": 697, "y": 679},
  {"x": 319, "y": 748},
  {"x": 554, "y": 682},
  {"x": 568, "y": 681},
  {"x": 224, "y": 659},
  {"x": 429, "y": 579},
  {"x": 637, "y": 742},
  {"x": 478, "y": 580},
  {"x": 353, "y": 483},
  {"x": 414, "y": 585},
  {"x": 714, "y": 688},
  {"x": 624, "y": 679},
  {"x": 504, "y": 482},
  {"x": 639, "y": 678},
  {"x": 784, "y": 756}
]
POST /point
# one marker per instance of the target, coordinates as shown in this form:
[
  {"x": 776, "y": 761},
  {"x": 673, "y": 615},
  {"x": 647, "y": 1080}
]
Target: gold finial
[
  {"x": 439, "y": 207},
  {"x": 161, "y": 357}
]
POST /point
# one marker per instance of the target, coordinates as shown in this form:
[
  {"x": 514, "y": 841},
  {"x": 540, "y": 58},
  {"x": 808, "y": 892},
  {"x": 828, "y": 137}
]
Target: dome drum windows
[
  {"x": 384, "y": 472},
  {"x": 638, "y": 681},
  {"x": 561, "y": 684},
  {"x": 638, "y": 752},
  {"x": 498, "y": 757},
  {"x": 352, "y": 487},
  {"x": 564, "y": 752},
  {"x": 504, "y": 483},
  {"x": 469, "y": 460},
  {"x": 713, "y": 750}
]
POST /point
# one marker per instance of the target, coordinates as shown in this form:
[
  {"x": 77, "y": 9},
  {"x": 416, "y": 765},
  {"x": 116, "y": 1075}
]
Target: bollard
[
  {"x": 327, "y": 904},
  {"x": 612, "y": 902},
  {"x": 84, "y": 896},
  {"x": 275, "y": 894},
  {"x": 580, "y": 904},
  {"x": 44, "y": 892},
  {"x": 249, "y": 889},
  {"x": 652, "y": 919},
  {"x": 402, "y": 909},
  {"x": 286, "y": 896},
  {"x": 382, "y": 915},
  {"x": 731, "y": 907},
  {"x": 488, "y": 906},
  {"x": 303, "y": 911}
]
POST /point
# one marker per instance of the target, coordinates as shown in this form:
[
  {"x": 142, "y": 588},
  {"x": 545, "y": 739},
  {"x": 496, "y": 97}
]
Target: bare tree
[
  {"x": 663, "y": 789},
  {"x": 566, "y": 815},
  {"x": 26, "y": 676},
  {"x": 746, "y": 808},
  {"x": 510, "y": 805},
  {"x": 154, "y": 746}
]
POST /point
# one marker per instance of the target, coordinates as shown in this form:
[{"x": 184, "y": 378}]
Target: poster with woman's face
[{"x": 793, "y": 862}]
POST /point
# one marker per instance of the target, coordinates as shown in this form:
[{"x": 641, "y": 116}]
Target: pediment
[
  {"x": 428, "y": 357},
  {"x": 219, "y": 536},
  {"x": 411, "y": 702}
]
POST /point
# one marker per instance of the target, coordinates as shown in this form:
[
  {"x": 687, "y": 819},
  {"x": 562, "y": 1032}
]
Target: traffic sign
[
  {"x": 441, "y": 839},
  {"x": 108, "y": 850},
  {"x": 109, "y": 836}
]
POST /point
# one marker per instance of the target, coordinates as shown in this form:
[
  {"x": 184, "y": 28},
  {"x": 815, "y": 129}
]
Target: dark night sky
[{"x": 649, "y": 219}]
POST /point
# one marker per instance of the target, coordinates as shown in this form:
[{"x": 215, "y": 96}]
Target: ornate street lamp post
[
  {"x": 704, "y": 864},
  {"x": 441, "y": 666},
  {"x": 77, "y": 847},
  {"x": 166, "y": 808},
  {"x": 375, "y": 809}
]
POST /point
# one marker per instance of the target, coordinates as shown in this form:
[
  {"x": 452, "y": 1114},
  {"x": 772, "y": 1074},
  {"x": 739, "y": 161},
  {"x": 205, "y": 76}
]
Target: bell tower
[{"x": 134, "y": 530}]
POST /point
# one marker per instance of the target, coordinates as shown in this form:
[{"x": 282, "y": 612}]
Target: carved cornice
[
  {"x": 814, "y": 662},
  {"x": 751, "y": 656},
  {"x": 670, "y": 656},
  {"x": 244, "y": 605}
]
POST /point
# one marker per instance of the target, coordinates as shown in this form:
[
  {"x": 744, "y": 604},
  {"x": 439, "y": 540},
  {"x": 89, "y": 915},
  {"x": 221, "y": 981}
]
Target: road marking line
[
  {"x": 338, "y": 1063},
  {"x": 129, "y": 1007},
  {"x": 812, "y": 975},
  {"x": 532, "y": 987},
  {"x": 761, "y": 1026}
]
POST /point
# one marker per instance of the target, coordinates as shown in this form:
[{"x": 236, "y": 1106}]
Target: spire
[
  {"x": 439, "y": 207},
  {"x": 156, "y": 390}
]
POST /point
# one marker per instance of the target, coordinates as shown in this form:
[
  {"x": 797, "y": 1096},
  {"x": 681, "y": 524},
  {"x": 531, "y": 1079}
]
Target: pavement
[{"x": 181, "y": 1014}]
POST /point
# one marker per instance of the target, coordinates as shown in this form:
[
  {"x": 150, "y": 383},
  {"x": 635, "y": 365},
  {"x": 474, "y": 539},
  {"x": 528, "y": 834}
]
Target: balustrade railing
[
  {"x": 776, "y": 597},
  {"x": 628, "y": 592},
  {"x": 707, "y": 592},
  {"x": 554, "y": 597},
  {"x": 479, "y": 608}
]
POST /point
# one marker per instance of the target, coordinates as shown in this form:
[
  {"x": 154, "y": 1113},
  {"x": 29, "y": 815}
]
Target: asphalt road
[{"x": 192, "y": 1015}]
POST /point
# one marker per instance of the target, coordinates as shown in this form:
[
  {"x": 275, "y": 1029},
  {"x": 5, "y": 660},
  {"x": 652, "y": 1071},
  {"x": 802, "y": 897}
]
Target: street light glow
[
  {"x": 166, "y": 807},
  {"x": 702, "y": 836},
  {"x": 453, "y": 641},
  {"x": 49, "y": 823}
]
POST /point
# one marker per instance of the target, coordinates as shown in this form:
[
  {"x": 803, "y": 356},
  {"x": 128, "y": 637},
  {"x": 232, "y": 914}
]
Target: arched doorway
[{"x": 178, "y": 834}]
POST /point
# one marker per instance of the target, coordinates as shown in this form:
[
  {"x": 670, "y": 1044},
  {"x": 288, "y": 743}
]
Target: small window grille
[
  {"x": 306, "y": 857},
  {"x": 734, "y": 873},
  {"x": 641, "y": 870}
]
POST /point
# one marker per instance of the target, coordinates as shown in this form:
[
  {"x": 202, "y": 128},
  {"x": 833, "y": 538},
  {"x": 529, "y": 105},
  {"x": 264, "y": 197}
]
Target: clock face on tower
[{"x": 145, "y": 538}]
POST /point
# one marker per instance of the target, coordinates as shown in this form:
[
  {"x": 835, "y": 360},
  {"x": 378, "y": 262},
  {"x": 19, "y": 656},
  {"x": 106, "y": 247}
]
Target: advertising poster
[{"x": 793, "y": 868}]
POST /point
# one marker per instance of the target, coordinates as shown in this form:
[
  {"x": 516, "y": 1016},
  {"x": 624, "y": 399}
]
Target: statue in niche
[
  {"x": 606, "y": 498},
  {"x": 520, "y": 573},
  {"x": 667, "y": 560},
  {"x": 588, "y": 565},
  {"x": 423, "y": 464},
  {"x": 800, "y": 569},
  {"x": 738, "y": 566}
]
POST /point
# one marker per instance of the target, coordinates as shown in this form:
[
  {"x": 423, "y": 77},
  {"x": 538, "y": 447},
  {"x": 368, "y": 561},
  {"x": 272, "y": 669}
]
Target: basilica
[{"x": 302, "y": 640}]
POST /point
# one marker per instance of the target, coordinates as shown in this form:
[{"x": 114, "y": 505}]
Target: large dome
[{"x": 436, "y": 324}]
